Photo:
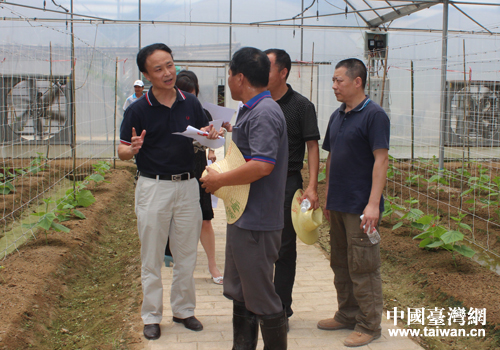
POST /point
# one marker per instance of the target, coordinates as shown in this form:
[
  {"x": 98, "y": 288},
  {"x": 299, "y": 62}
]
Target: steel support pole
[
  {"x": 412, "y": 115},
  {"x": 302, "y": 33},
  {"x": 140, "y": 34},
  {"x": 230, "y": 29},
  {"x": 73, "y": 95},
  {"x": 114, "y": 119},
  {"x": 444, "y": 63}
]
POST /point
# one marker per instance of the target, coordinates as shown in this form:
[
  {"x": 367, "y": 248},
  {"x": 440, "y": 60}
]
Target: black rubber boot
[
  {"x": 273, "y": 328},
  {"x": 245, "y": 328}
]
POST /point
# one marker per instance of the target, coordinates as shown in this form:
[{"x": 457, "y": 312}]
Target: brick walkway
[{"x": 314, "y": 299}]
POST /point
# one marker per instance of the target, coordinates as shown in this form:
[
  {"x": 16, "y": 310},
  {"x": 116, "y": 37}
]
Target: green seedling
[
  {"x": 413, "y": 180},
  {"x": 464, "y": 172},
  {"x": 79, "y": 198},
  {"x": 6, "y": 187},
  {"x": 97, "y": 178},
  {"x": 390, "y": 206},
  {"x": 488, "y": 202},
  {"x": 322, "y": 175},
  {"x": 438, "y": 179},
  {"x": 412, "y": 215},
  {"x": 438, "y": 237},
  {"x": 66, "y": 210},
  {"x": 101, "y": 167},
  {"x": 459, "y": 222},
  {"x": 39, "y": 163},
  {"x": 47, "y": 221},
  {"x": 392, "y": 170}
]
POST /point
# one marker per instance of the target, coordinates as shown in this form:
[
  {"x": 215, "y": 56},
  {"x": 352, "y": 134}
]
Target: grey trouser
[
  {"x": 168, "y": 210},
  {"x": 355, "y": 261},
  {"x": 249, "y": 269}
]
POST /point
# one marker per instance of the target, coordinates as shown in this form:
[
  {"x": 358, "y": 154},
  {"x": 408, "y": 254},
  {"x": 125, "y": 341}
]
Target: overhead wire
[{"x": 304, "y": 10}]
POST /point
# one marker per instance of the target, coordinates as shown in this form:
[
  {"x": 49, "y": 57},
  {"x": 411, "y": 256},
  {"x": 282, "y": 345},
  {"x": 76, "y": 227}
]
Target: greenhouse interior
[{"x": 67, "y": 67}]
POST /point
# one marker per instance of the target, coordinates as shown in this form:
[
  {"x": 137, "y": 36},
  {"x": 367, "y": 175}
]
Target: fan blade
[
  {"x": 49, "y": 96},
  {"x": 57, "y": 116},
  {"x": 19, "y": 125}
]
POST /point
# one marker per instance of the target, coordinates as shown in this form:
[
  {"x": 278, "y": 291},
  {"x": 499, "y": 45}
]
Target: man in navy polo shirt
[
  {"x": 254, "y": 240},
  {"x": 357, "y": 139},
  {"x": 167, "y": 193}
]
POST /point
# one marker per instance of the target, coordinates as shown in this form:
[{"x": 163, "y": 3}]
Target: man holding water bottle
[
  {"x": 357, "y": 139},
  {"x": 302, "y": 130}
]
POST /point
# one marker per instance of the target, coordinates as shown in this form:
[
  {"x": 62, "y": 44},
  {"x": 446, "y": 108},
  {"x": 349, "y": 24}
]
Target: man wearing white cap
[{"x": 138, "y": 88}]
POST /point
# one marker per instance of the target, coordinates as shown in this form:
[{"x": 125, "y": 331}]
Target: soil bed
[
  {"x": 29, "y": 181},
  {"x": 414, "y": 278},
  {"x": 446, "y": 200},
  {"x": 82, "y": 290}
]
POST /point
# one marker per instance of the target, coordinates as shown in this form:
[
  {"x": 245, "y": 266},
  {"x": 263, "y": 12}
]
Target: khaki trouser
[
  {"x": 168, "y": 210},
  {"x": 355, "y": 261}
]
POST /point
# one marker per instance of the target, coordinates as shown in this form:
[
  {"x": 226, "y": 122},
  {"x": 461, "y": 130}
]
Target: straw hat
[
  {"x": 305, "y": 224},
  {"x": 235, "y": 197}
]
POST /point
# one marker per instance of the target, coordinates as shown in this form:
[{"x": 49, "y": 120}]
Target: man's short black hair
[
  {"x": 354, "y": 68},
  {"x": 188, "y": 81},
  {"x": 253, "y": 64},
  {"x": 147, "y": 51},
  {"x": 282, "y": 59}
]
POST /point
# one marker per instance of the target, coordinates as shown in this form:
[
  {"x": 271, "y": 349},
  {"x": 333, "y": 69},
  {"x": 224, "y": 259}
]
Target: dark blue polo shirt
[
  {"x": 351, "y": 139},
  {"x": 162, "y": 152}
]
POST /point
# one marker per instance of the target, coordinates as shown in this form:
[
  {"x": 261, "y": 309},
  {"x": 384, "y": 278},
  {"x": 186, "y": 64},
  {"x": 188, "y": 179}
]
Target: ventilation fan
[
  {"x": 36, "y": 108},
  {"x": 473, "y": 113}
]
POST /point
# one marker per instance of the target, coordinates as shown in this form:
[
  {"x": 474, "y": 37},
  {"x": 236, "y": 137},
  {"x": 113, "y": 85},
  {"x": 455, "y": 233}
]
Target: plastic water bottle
[
  {"x": 305, "y": 205},
  {"x": 372, "y": 233}
]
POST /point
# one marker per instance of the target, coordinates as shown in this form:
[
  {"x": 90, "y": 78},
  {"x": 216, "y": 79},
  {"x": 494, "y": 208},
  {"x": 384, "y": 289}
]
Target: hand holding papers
[
  {"x": 201, "y": 137},
  {"x": 217, "y": 124}
]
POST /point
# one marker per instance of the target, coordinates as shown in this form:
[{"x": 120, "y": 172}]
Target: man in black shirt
[
  {"x": 167, "y": 194},
  {"x": 302, "y": 129}
]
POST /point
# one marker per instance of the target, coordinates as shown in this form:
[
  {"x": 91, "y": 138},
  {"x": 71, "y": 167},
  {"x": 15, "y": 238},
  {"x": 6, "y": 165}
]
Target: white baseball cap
[{"x": 138, "y": 83}]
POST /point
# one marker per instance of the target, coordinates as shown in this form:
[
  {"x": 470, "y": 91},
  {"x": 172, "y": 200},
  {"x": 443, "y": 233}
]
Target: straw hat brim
[
  {"x": 303, "y": 222},
  {"x": 235, "y": 197}
]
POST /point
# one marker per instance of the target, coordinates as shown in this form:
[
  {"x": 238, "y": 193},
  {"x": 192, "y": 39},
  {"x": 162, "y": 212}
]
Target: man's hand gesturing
[{"x": 137, "y": 141}]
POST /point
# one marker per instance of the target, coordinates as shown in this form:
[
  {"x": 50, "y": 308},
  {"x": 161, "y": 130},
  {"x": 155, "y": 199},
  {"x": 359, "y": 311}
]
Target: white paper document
[
  {"x": 217, "y": 124},
  {"x": 219, "y": 113},
  {"x": 201, "y": 137}
]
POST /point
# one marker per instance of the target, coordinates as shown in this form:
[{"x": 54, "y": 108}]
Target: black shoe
[
  {"x": 190, "y": 323},
  {"x": 152, "y": 331}
]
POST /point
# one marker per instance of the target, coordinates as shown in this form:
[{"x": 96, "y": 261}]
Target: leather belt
[{"x": 169, "y": 177}]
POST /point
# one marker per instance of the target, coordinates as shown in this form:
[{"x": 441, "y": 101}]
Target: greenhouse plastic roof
[
  {"x": 381, "y": 13},
  {"x": 368, "y": 14},
  {"x": 376, "y": 13}
]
